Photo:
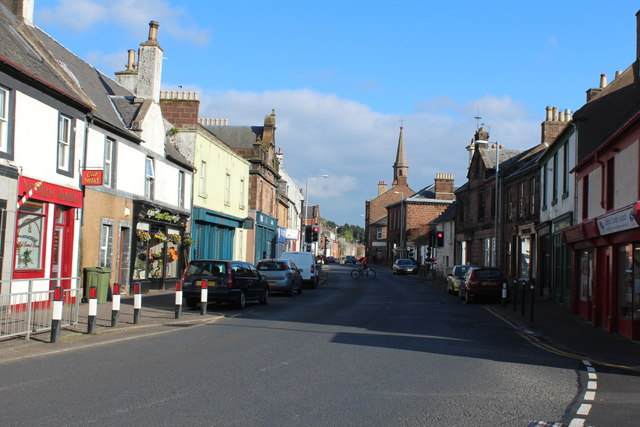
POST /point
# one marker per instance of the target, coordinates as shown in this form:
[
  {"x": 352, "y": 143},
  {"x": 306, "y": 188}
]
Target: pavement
[{"x": 551, "y": 327}]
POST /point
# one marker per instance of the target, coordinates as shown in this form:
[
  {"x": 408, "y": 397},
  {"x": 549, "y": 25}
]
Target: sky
[{"x": 343, "y": 76}]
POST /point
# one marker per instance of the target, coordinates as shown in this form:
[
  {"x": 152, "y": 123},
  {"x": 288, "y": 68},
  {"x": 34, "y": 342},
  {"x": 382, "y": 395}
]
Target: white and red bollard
[
  {"x": 137, "y": 303},
  {"x": 203, "y": 297},
  {"x": 178, "y": 300},
  {"x": 56, "y": 316},
  {"x": 115, "y": 307},
  {"x": 93, "y": 310}
]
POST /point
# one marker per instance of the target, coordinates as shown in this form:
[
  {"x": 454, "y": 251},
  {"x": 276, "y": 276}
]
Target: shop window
[
  {"x": 65, "y": 145},
  {"x": 142, "y": 238},
  {"x": 586, "y": 274},
  {"x": 150, "y": 176},
  {"x": 6, "y": 124},
  {"x": 30, "y": 236},
  {"x": 628, "y": 277},
  {"x": 156, "y": 255},
  {"x": 172, "y": 258}
]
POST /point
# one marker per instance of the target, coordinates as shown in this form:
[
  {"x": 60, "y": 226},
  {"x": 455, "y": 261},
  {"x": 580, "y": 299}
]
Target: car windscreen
[
  {"x": 404, "y": 262},
  {"x": 488, "y": 274},
  {"x": 271, "y": 266},
  {"x": 461, "y": 271},
  {"x": 206, "y": 268}
]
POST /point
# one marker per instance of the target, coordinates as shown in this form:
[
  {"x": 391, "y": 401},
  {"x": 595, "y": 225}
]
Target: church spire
[{"x": 400, "y": 167}]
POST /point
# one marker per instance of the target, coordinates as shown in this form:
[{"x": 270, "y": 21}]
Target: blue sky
[{"x": 342, "y": 75}]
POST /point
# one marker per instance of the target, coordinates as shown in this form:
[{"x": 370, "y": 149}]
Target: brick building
[{"x": 376, "y": 209}]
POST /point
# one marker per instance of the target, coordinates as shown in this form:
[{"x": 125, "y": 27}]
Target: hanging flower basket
[
  {"x": 187, "y": 240},
  {"x": 175, "y": 238},
  {"x": 155, "y": 256},
  {"x": 160, "y": 236},
  {"x": 143, "y": 236}
]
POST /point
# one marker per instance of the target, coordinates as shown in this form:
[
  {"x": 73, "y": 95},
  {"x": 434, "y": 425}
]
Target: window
[
  {"x": 149, "y": 177},
  {"x": 610, "y": 182},
  {"x": 203, "y": 179},
  {"x": 481, "y": 207},
  {"x": 29, "y": 244},
  {"x": 509, "y": 204},
  {"x": 242, "y": 201},
  {"x": 585, "y": 197},
  {"x": 106, "y": 244},
  {"x": 521, "y": 200},
  {"x": 109, "y": 146},
  {"x": 379, "y": 233},
  {"x": 628, "y": 278},
  {"x": 5, "y": 123},
  {"x": 65, "y": 144},
  {"x": 259, "y": 201},
  {"x": 565, "y": 171},
  {"x": 227, "y": 189},
  {"x": 586, "y": 274},
  {"x": 181, "y": 189},
  {"x": 545, "y": 186},
  {"x": 532, "y": 197}
]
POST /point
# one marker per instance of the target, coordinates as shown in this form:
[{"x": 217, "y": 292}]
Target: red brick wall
[{"x": 180, "y": 112}]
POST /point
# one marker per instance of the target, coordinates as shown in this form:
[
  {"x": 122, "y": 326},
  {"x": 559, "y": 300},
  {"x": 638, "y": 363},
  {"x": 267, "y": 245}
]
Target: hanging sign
[{"x": 92, "y": 177}]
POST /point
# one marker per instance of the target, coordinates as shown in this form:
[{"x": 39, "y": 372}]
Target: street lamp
[
  {"x": 305, "y": 201},
  {"x": 401, "y": 219}
]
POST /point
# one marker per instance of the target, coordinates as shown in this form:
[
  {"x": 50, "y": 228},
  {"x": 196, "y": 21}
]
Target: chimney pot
[
  {"x": 153, "y": 31},
  {"x": 603, "y": 81},
  {"x": 549, "y": 114}
]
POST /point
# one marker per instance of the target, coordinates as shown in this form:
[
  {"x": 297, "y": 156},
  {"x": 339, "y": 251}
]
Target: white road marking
[{"x": 584, "y": 409}]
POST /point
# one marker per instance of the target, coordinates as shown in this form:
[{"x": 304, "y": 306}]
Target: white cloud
[
  {"x": 81, "y": 15},
  {"x": 321, "y": 133}
]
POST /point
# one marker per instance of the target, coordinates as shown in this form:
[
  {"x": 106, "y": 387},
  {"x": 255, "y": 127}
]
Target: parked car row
[
  {"x": 239, "y": 282},
  {"x": 405, "y": 266},
  {"x": 473, "y": 282}
]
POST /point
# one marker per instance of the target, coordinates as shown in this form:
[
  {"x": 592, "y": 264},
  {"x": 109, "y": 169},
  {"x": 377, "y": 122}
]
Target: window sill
[
  {"x": 565, "y": 195},
  {"x": 554, "y": 202},
  {"x": 202, "y": 195}
]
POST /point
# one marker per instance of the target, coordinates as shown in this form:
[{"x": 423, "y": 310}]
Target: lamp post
[
  {"x": 305, "y": 203},
  {"x": 401, "y": 219}
]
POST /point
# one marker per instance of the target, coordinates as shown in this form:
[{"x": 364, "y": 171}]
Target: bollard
[
  {"x": 504, "y": 293},
  {"x": 93, "y": 310},
  {"x": 56, "y": 316},
  {"x": 137, "y": 303},
  {"x": 115, "y": 308},
  {"x": 203, "y": 297},
  {"x": 178, "y": 300}
]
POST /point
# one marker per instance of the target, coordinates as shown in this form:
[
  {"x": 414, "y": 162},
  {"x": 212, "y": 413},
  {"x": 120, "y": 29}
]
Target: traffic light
[
  {"x": 432, "y": 239},
  {"x": 440, "y": 238},
  {"x": 315, "y": 233},
  {"x": 307, "y": 234}
]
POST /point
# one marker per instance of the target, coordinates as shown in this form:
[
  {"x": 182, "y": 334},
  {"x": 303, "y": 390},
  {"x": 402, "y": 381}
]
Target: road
[{"x": 392, "y": 351}]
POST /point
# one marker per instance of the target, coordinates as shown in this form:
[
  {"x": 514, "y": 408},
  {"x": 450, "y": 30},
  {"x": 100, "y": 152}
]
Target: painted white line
[
  {"x": 590, "y": 395},
  {"x": 593, "y": 376},
  {"x": 591, "y": 369},
  {"x": 592, "y": 385},
  {"x": 577, "y": 422},
  {"x": 584, "y": 409},
  {"x": 586, "y": 362}
]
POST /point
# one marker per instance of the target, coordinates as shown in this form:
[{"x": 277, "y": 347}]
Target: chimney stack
[
  {"x": 180, "y": 108},
  {"x": 382, "y": 188},
  {"x": 21, "y": 9},
  {"x": 150, "y": 66},
  {"x": 603, "y": 81},
  {"x": 444, "y": 186},
  {"x": 554, "y": 124}
]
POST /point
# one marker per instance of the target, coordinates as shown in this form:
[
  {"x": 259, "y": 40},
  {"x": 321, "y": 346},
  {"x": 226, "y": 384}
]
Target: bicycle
[{"x": 369, "y": 273}]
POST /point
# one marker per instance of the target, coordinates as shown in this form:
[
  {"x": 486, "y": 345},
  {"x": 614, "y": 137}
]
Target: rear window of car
[
  {"x": 272, "y": 266},
  {"x": 206, "y": 268},
  {"x": 487, "y": 274}
]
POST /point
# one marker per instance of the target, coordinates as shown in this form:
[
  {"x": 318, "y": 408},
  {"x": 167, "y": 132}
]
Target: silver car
[{"x": 282, "y": 275}]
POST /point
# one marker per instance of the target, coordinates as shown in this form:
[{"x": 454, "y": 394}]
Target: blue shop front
[
  {"x": 214, "y": 234},
  {"x": 266, "y": 234}
]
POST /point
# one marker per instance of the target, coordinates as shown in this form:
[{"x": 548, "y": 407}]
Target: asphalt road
[{"x": 392, "y": 351}]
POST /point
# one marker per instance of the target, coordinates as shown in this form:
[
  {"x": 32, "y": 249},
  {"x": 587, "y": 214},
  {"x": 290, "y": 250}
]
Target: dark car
[
  {"x": 331, "y": 260},
  {"x": 349, "y": 259},
  {"x": 404, "y": 266},
  {"x": 227, "y": 281},
  {"x": 482, "y": 282},
  {"x": 282, "y": 275}
]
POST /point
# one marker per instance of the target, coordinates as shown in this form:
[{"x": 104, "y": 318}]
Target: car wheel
[
  {"x": 192, "y": 302},
  {"x": 265, "y": 297},
  {"x": 242, "y": 301}
]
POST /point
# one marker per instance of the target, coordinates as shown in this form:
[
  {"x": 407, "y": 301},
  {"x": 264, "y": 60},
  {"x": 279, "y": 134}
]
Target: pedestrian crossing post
[
  {"x": 137, "y": 303},
  {"x": 203, "y": 297},
  {"x": 93, "y": 310},
  {"x": 115, "y": 308},
  {"x": 56, "y": 317}
]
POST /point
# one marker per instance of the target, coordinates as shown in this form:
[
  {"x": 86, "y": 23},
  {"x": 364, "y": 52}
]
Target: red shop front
[
  {"x": 45, "y": 244},
  {"x": 606, "y": 282}
]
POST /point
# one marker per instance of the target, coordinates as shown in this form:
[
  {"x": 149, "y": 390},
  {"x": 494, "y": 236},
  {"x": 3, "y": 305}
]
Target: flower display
[
  {"x": 160, "y": 236},
  {"x": 175, "y": 238},
  {"x": 143, "y": 235}
]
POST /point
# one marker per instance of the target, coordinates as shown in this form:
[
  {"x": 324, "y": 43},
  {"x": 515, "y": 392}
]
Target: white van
[{"x": 307, "y": 263}]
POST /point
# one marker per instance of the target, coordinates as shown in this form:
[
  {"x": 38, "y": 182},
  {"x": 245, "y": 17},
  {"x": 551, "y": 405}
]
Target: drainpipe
[{"x": 602, "y": 180}]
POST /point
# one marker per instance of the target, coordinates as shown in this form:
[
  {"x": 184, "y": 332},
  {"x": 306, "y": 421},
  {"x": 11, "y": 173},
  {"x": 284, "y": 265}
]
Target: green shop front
[
  {"x": 161, "y": 246},
  {"x": 266, "y": 234},
  {"x": 214, "y": 234}
]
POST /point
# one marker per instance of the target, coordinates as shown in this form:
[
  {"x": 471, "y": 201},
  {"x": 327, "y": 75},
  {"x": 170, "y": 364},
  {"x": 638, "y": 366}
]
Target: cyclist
[{"x": 363, "y": 264}]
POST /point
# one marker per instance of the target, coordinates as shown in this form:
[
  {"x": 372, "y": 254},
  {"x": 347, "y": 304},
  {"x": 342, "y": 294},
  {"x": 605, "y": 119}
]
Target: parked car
[
  {"x": 306, "y": 262},
  {"x": 455, "y": 278},
  {"x": 282, "y": 275},
  {"x": 404, "y": 266},
  {"x": 481, "y": 282},
  {"x": 331, "y": 260},
  {"x": 227, "y": 281},
  {"x": 349, "y": 259}
]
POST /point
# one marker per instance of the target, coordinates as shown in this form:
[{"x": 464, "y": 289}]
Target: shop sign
[
  {"x": 51, "y": 193},
  {"x": 617, "y": 221},
  {"x": 291, "y": 234},
  {"x": 92, "y": 177}
]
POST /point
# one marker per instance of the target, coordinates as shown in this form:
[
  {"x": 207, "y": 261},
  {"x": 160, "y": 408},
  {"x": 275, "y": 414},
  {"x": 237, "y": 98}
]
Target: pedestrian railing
[{"x": 26, "y": 307}]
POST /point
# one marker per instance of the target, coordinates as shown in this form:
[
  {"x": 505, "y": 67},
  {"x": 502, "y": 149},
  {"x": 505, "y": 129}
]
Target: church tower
[{"x": 400, "y": 167}]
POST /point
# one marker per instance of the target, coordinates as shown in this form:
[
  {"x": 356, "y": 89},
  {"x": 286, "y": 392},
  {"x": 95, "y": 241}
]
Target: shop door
[
  {"x": 62, "y": 247},
  {"x": 124, "y": 259}
]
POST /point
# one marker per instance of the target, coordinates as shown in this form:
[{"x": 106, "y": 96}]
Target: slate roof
[
  {"x": 17, "y": 50},
  {"x": 382, "y": 222},
  {"x": 237, "y": 136},
  {"x": 489, "y": 156},
  {"x": 428, "y": 194},
  {"x": 523, "y": 162}
]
